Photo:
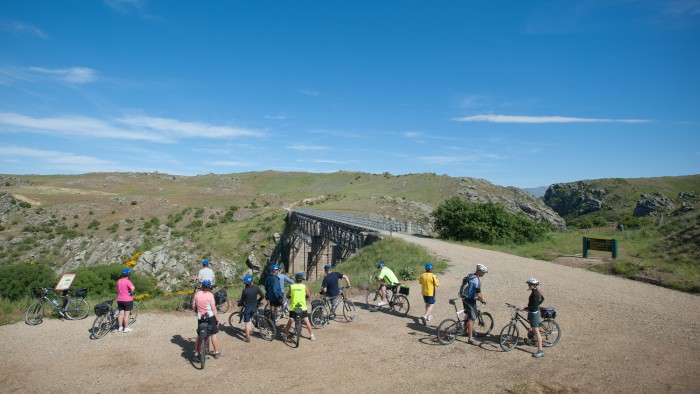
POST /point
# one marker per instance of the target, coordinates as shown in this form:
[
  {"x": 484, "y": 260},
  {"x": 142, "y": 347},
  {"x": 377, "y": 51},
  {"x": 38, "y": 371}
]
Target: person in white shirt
[{"x": 205, "y": 273}]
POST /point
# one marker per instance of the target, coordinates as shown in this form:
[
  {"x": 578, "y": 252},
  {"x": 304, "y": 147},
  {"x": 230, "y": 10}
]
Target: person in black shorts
[
  {"x": 250, "y": 303},
  {"x": 533, "y": 313},
  {"x": 330, "y": 285}
]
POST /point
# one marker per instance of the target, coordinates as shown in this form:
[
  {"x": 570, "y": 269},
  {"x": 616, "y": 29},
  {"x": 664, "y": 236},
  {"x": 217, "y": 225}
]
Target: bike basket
[
  {"x": 548, "y": 312},
  {"x": 102, "y": 308},
  {"x": 203, "y": 329},
  {"x": 81, "y": 293},
  {"x": 315, "y": 303},
  {"x": 404, "y": 290},
  {"x": 220, "y": 297}
]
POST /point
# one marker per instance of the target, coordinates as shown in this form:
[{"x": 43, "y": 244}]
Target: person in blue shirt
[
  {"x": 330, "y": 285},
  {"x": 273, "y": 289},
  {"x": 470, "y": 293}
]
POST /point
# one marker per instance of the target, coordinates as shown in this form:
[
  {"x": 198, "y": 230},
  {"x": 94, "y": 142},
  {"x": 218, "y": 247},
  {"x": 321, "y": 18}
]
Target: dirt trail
[{"x": 618, "y": 336}]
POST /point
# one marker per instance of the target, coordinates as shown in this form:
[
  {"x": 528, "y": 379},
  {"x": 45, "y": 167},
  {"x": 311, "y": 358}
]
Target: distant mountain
[{"x": 536, "y": 191}]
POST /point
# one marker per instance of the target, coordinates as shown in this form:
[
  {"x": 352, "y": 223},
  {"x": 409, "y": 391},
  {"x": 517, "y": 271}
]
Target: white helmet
[
  {"x": 481, "y": 268},
  {"x": 533, "y": 281}
]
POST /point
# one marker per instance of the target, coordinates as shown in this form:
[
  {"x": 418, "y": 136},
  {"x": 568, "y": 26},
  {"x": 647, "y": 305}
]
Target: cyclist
[
  {"x": 330, "y": 285},
  {"x": 299, "y": 293},
  {"x": 428, "y": 282},
  {"x": 387, "y": 277},
  {"x": 204, "y": 305},
  {"x": 125, "y": 300},
  {"x": 205, "y": 273},
  {"x": 282, "y": 277},
  {"x": 533, "y": 313},
  {"x": 470, "y": 292},
  {"x": 273, "y": 289},
  {"x": 250, "y": 303}
]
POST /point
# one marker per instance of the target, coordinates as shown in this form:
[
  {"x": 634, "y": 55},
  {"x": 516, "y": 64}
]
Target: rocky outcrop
[
  {"x": 652, "y": 205},
  {"x": 574, "y": 199}
]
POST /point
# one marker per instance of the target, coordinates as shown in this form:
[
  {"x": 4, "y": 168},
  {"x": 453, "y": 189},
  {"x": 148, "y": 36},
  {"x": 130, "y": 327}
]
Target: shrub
[
  {"x": 24, "y": 204},
  {"x": 20, "y": 280},
  {"x": 407, "y": 273},
  {"x": 102, "y": 279}
]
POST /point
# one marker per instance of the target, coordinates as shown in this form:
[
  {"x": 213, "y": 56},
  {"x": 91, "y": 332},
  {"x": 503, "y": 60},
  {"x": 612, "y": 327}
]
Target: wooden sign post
[{"x": 603, "y": 244}]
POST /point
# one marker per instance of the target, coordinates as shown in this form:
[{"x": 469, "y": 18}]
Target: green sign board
[{"x": 602, "y": 244}]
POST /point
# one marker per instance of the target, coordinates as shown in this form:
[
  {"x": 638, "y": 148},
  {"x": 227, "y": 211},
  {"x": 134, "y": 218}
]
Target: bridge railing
[{"x": 366, "y": 222}]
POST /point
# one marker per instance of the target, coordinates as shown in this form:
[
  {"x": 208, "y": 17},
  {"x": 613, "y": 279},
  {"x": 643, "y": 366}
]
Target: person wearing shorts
[
  {"x": 203, "y": 303},
  {"x": 428, "y": 282},
  {"x": 125, "y": 300},
  {"x": 298, "y": 293},
  {"x": 250, "y": 303},
  {"x": 471, "y": 294},
  {"x": 533, "y": 313}
]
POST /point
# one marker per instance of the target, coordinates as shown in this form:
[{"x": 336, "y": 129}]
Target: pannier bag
[
  {"x": 548, "y": 312},
  {"x": 220, "y": 297},
  {"x": 81, "y": 293},
  {"x": 404, "y": 290},
  {"x": 102, "y": 308},
  {"x": 203, "y": 329}
]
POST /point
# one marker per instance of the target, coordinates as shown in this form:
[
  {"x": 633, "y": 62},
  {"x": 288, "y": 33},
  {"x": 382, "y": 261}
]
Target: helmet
[
  {"x": 205, "y": 262},
  {"x": 206, "y": 283},
  {"x": 380, "y": 265},
  {"x": 327, "y": 267},
  {"x": 428, "y": 266},
  {"x": 275, "y": 267},
  {"x": 481, "y": 268},
  {"x": 533, "y": 281},
  {"x": 299, "y": 275},
  {"x": 126, "y": 271},
  {"x": 248, "y": 279}
]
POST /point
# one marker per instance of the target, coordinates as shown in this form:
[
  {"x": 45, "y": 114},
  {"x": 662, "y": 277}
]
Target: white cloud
[
  {"x": 137, "y": 7},
  {"x": 333, "y": 161},
  {"x": 71, "y": 75},
  {"x": 276, "y": 117},
  {"x": 308, "y": 92},
  {"x": 307, "y": 147},
  {"x": 21, "y": 28},
  {"x": 186, "y": 129},
  {"x": 62, "y": 160},
  {"x": 541, "y": 119},
  {"x": 223, "y": 163}
]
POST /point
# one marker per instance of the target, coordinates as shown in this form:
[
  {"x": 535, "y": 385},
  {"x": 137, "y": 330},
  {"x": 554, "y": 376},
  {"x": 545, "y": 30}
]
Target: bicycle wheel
[
  {"x": 319, "y": 317},
  {"x": 186, "y": 302},
  {"x": 267, "y": 328},
  {"x": 235, "y": 320},
  {"x": 297, "y": 332},
  {"x": 102, "y": 325},
  {"x": 134, "y": 313},
  {"x": 550, "y": 331},
  {"x": 509, "y": 337},
  {"x": 222, "y": 308},
  {"x": 77, "y": 309},
  {"x": 348, "y": 310},
  {"x": 483, "y": 324},
  {"x": 447, "y": 331},
  {"x": 35, "y": 313},
  {"x": 401, "y": 304},
  {"x": 372, "y": 298},
  {"x": 203, "y": 350}
]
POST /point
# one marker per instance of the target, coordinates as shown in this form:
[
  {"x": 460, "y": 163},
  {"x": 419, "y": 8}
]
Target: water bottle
[{"x": 116, "y": 314}]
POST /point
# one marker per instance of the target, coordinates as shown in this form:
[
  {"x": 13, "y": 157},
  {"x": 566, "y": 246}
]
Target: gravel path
[{"x": 617, "y": 336}]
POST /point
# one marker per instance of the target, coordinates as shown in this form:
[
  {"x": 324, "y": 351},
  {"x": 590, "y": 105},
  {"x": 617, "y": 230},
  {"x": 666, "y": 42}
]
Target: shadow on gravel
[{"x": 186, "y": 345}]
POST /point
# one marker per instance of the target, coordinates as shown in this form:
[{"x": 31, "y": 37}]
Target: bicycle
[
  {"x": 72, "y": 308},
  {"x": 449, "y": 329},
  {"x": 398, "y": 302},
  {"x": 298, "y": 323},
  {"x": 261, "y": 322},
  {"x": 282, "y": 311},
  {"x": 203, "y": 339},
  {"x": 107, "y": 318},
  {"x": 510, "y": 335},
  {"x": 186, "y": 300},
  {"x": 321, "y": 314}
]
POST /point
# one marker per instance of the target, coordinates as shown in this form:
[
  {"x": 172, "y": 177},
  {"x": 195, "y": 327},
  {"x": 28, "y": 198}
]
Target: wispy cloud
[
  {"x": 308, "y": 92},
  {"x": 307, "y": 147},
  {"x": 62, "y": 160},
  {"x": 223, "y": 163},
  {"x": 456, "y": 159},
  {"x": 542, "y": 119},
  {"x": 136, "y": 7},
  {"x": 20, "y": 28},
  {"x": 143, "y": 128},
  {"x": 275, "y": 117},
  {"x": 77, "y": 75},
  {"x": 333, "y": 161}
]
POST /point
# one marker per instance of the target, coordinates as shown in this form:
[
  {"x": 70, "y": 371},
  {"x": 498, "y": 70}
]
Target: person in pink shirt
[
  {"x": 203, "y": 303},
  {"x": 125, "y": 300}
]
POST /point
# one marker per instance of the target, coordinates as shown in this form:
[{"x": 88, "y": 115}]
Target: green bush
[
  {"x": 407, "y": 273},
  {"x": 102, "y": 280},
  {"x": 488, "y": 223},
  {"x": 20, "y": 280}
]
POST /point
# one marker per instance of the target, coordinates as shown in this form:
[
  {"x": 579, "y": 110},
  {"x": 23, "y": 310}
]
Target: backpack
[{"x": 466, "y": 283}]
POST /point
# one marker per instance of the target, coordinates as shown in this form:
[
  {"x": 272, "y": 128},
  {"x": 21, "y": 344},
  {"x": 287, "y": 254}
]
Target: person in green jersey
[
  {"x": 388, "y": 278},
  {"x": 298, "y": 293}
]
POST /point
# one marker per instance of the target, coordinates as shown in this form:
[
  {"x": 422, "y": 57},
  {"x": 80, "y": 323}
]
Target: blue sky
[{"x": 521, "y": 93}]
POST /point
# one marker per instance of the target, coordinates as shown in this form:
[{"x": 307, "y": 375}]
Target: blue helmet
[
  {"x": 428, "y": 266},
  {"x": 299, "y": 275},
  {"x": 248, "y": 279},
  {"x": 275, "y": 267},
  {"x": 126, "y": 271},
  {"x": 327, "y": 267},
  {"x": 205, "y": 262},
  {"x": 206, "y": 283},
  {"x": 380, "y": 265}
]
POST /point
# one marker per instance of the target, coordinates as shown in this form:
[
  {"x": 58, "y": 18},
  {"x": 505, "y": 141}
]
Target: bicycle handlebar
[{"x": 515, "y": 307}]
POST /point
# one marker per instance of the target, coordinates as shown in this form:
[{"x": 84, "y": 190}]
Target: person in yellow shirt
[
  {"x": 428, "y": 282},
  {"x": 298, "y": 293}
]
